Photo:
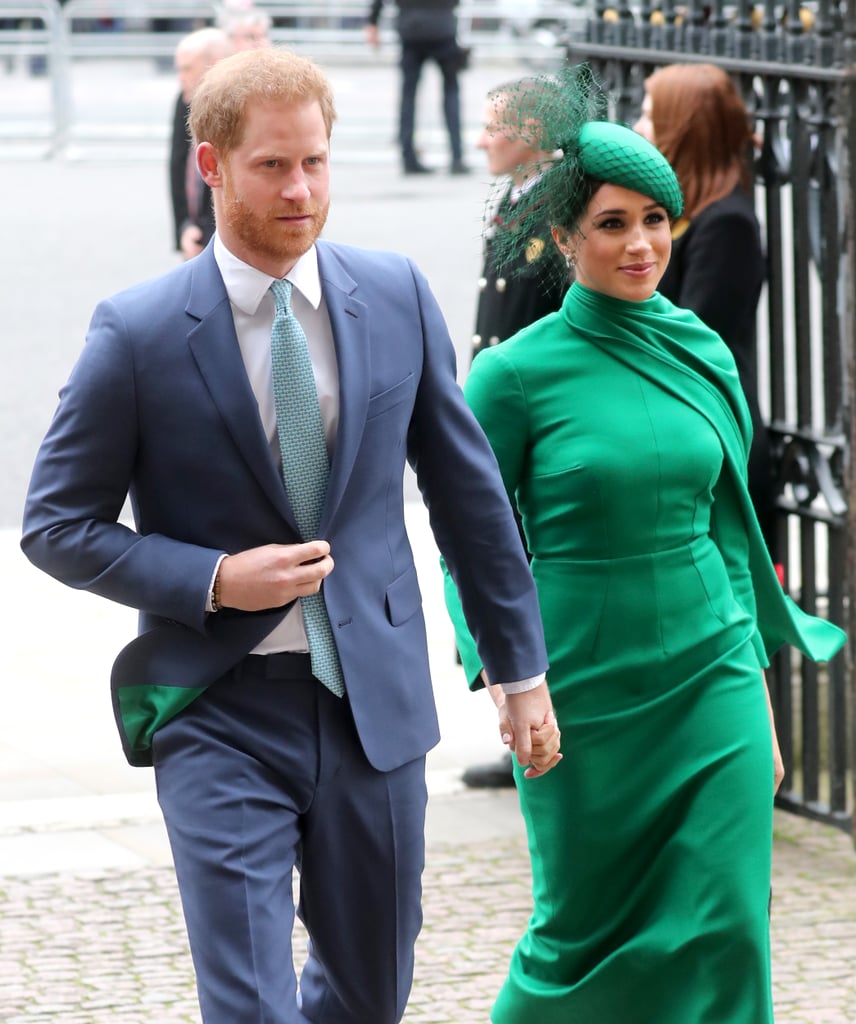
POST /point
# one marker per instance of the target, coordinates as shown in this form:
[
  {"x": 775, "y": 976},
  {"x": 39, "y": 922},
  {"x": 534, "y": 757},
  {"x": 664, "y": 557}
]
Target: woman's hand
[
  {"x": 545, "y": 747},
  {"x": 778, "y": 763}
]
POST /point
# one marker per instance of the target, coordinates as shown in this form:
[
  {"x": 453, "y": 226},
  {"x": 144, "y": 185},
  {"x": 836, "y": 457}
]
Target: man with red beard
[{"x": 280, "y": 682}]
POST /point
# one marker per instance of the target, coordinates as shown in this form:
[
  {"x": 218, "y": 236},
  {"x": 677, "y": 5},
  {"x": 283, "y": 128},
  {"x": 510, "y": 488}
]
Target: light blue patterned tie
[{"x": 305, "y": 466}]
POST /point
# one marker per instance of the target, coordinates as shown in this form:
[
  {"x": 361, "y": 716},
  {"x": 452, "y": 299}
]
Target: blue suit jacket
[{"x": 159, "y": 406}]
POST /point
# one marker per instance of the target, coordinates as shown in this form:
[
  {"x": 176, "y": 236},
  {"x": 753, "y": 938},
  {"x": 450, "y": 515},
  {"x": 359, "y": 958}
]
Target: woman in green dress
[{"x": 622, "y": 435}]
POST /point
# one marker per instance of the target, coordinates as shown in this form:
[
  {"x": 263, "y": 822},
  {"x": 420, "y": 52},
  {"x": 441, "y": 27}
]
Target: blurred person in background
[
  {"x": 192, "y": 212},
  {"x": 427, "y": 30},
  {"x": 514, "y": 292},
  {"x": 247, "y": 27},
  {"x": 695, "y": 116}
]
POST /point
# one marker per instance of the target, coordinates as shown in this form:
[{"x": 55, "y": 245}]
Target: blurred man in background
[
  {"x": 427, "y": 30},
  {"x": 193, "y": 215}
]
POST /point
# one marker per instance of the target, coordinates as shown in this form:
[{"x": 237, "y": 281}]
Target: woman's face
[
  {"x": 622, "y": 245},
  {"x": 645, "y": 125}
]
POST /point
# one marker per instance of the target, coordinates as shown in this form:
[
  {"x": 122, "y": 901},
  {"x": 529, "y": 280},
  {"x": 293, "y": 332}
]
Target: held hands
[
  {"x": 527, "y": 724},
  {"x": 273, "y": 575}
]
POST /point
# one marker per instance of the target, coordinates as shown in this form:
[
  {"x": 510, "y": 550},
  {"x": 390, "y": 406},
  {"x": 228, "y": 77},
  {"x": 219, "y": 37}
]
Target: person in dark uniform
[
  {"x": 427, "y": 30},
  {"x": 514, "y": 291}
]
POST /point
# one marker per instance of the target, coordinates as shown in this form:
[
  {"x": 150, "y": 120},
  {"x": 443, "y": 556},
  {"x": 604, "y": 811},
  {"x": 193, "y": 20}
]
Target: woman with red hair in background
[{"x": 696, "y": 117}]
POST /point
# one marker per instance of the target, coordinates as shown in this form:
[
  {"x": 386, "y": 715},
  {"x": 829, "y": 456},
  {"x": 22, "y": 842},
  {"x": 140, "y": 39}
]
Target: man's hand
[
  {"x": 191, "y": 241},
  {"x": 273, "y": 575},
  {"x": 372, "y": 36},
  {"x": 530, "y": 729}
]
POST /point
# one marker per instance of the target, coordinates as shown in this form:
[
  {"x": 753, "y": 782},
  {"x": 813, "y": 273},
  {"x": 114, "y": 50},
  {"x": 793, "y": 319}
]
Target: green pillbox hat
[{"x": 620, "y": 156}]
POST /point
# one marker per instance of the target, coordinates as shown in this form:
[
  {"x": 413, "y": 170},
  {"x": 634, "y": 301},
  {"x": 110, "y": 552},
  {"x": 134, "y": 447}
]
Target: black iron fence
[{"x": 796, "y": 66}]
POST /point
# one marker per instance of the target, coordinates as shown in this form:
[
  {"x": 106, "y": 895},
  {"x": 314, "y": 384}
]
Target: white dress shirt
[{"x": 253, "y": 312}]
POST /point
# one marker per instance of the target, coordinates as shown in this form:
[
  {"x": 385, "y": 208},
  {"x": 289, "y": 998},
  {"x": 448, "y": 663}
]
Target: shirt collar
[
  {"x": 246, "y": 286},
  {"x": 516, "y": 191}
]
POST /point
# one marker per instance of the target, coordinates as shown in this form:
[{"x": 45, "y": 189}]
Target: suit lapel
[
  {"x": 215, "y": 348},
  {"x": 349, "y": 321}
]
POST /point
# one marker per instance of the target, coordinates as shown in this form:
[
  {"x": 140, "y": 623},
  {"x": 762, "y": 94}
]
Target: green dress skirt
[{"x": 651, "y": 841}]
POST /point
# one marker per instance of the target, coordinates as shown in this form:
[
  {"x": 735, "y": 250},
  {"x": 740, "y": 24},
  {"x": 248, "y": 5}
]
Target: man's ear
[{"x": 209, "y": 164}]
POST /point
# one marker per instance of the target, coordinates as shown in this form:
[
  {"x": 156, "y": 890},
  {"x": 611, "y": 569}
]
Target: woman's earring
[{"x": 570, "y": 260}]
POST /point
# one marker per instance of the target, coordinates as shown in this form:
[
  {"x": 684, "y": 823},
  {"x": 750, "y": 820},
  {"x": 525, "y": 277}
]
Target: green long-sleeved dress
[{"x": 621, "y": 434}]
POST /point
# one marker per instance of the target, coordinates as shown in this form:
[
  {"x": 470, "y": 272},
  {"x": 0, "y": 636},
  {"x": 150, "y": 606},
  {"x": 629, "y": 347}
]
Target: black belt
[{"x": 283, "y": 665}]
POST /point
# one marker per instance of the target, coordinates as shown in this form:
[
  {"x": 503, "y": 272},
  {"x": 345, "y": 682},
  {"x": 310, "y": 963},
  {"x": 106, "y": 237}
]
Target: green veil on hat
[{"x": 566, "y": 111}]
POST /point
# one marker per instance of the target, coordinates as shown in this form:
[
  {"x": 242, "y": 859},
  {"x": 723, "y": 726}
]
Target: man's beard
[{"x": 268, "y": 236}]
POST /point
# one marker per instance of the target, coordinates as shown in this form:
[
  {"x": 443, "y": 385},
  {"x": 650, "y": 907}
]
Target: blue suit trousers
[{"x": 262, "y": 774}]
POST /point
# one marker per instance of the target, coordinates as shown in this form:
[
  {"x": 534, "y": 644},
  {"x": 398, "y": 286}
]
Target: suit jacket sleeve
[
  {"x": 470, "y": 515},
  {"x": 79, "y": 484},
  {"x": 496, "y": 398}
]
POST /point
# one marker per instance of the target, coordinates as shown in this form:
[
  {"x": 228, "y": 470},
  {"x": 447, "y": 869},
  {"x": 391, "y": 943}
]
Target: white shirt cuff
[
  {"x": 522, "y": 685},
  {"x": 209, "y": 601}
]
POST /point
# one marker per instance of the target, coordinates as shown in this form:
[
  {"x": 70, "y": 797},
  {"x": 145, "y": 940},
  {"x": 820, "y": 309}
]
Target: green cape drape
[{"x": 679, "y": 353}]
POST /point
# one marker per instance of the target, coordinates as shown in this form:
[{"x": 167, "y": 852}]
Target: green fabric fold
[{"x": 676, "y": 351}]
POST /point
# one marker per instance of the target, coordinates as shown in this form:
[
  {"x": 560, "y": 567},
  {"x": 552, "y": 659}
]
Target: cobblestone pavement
[
  {"x": 813, "y": 923},
  {"x": 109, "y": 946}
]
